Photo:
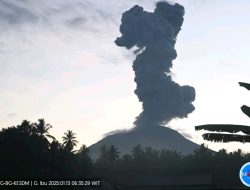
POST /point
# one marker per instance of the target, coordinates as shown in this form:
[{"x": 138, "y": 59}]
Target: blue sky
[{"x": 58, "y": 61}]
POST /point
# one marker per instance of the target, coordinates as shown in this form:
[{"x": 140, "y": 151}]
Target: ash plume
[{"x": 154, "y": 34}]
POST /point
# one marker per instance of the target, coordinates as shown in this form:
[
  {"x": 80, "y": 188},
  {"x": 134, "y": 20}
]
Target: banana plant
[{"x": 219, "y": 136}]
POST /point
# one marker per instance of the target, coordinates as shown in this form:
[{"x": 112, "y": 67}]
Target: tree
[
  {"x": 55, "y": 146},
  {"x": 224, "y": 137},
  {"x": 169, "y": 155},
  {"x": 83, "y": 152},
  {"x": 103, "y": 158},
  {"x": 69, "y": 140},
  {"x": 137, "y": 152},
  {"x": 43, "y": 128},
  {"x": 83, "y": 149},
  {"x": 203, "y": 152},
  {"x": 26, "y": 152},
  {"x": 113, "y": 154},
  {"x": 26, "y": 127},
  {"x": 126, "y": 158},
  {"x": 84, "y": 160},
  {"x": 151, "y": 154}
]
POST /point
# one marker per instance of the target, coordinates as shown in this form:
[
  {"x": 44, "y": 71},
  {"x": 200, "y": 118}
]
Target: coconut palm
[
  {"x": 137, "y": 152},
  {"x": 69, "y": 140},
  {"x": 83, "y": 152},
  {"x": 113, "y": 154},
  {"x": 126, "y": 158},
  {"x": 103, "y": 158},
  {"x": 83, "y": 149},
  {"x": 43, "y": 128}
]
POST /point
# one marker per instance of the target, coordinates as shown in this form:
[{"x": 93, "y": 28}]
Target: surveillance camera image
[{"x": 124, "y": 95}]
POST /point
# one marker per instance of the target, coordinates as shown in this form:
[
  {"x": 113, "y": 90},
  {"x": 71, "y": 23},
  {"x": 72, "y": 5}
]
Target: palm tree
[
  {"x": 103, "y": 158},
  {"x": 69, "y": 140},
  {"x": 84, "y": 160},
  {"x": 137, "y": 152},
  {"x": 42, "y": 128},
  {"x": 150, "y": 153},
  {"x": 83, "y": 149},
  {"x": 83, "y": 152},
  {"x": 113, "y": 154},
  {"x": 126, "y": 157}
]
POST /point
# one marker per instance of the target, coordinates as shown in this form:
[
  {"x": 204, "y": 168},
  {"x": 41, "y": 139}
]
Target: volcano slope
[{"x": 157, "y": 138}]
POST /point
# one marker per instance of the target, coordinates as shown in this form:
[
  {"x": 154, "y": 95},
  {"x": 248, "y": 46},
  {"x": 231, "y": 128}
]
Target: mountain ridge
[{"x": 158, "y": 138}]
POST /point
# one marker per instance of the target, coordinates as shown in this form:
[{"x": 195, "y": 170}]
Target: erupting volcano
[{"x": 154, "y": 35}]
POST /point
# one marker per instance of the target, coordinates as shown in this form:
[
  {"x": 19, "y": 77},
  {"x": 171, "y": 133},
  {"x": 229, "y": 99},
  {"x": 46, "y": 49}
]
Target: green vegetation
[
  {"x": 29, "y": 151},
  {"x": 148, "y": 161},
  {"x": 225, "y": 137}
]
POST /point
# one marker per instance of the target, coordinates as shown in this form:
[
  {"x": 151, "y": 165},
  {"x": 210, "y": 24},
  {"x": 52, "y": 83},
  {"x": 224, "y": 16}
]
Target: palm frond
[
  {"x": 69, "y": 140},
  {"x": 246, "y": 110},
  {"x": 224, "y": 128},
  {"x": 50, "y": 136},
  {"x": 245, "y": 85},
  {"x": 223, "y": 137}
]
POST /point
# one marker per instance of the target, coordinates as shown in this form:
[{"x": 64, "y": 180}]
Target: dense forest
[{"x": 29, "y": 151}]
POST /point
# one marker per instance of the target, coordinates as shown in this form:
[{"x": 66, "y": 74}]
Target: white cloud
[{"x": 58, "y": 59}]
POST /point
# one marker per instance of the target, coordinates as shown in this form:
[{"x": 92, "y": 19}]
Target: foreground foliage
[{"x": 29, "y": 151}]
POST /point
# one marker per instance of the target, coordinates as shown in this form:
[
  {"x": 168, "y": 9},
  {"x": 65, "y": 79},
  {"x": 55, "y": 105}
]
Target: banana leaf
[
  {"x": 245, "y": 85},
  {"x": 224, "y": 128},
  {"x": 222, "y": 137}
]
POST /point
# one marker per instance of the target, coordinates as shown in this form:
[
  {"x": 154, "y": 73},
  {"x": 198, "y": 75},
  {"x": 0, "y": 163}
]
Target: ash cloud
[{"x": 154, "y": 34}]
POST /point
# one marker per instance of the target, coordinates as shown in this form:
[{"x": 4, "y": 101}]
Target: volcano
[
  {"x": 157, "y": 138},
  {"x": 153, "y": 35}
]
